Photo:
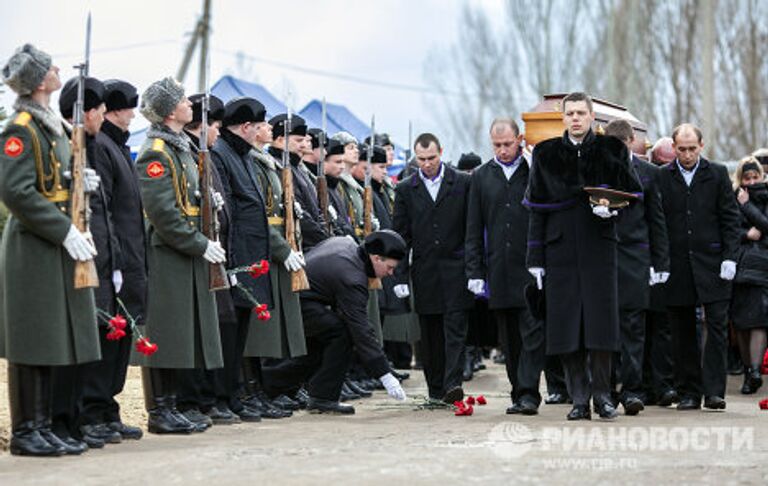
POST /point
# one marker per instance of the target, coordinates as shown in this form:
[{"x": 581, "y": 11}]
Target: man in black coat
[
  {"x": 335, "y": 314},
  {"x": 703, "y": 224},
  {"x": 643, "y": 262},
  {"x": 496, "y": 250},
  {"x": 573, "y": 242},
  {"x": 121, "y": 261},
  {"x": 431, "y": 214},
  {"x": 333, "y": 167},
  {"x": 248, "y": 231},
  {"x": 304, "y": 192}
]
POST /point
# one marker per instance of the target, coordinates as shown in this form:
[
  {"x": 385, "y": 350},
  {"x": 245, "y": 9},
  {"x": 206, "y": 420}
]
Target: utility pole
[
  {"x": 201, "y": 34},
  {"x": 708, "y": 58}
]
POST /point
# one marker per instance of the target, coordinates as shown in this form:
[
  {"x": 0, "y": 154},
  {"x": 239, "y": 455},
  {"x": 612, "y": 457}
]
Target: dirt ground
[{"x": 389, "y": 443}]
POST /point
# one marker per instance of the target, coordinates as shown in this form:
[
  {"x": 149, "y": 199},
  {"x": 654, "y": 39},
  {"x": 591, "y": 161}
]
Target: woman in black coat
[{"x": 749, "y": 306}]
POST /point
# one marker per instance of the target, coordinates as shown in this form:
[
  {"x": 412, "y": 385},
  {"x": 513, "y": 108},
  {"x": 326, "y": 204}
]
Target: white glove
[
  {"x": 91, "y": 179},
  {"x": 476, "y": 286},
  {"x": 217, "y": 200},
  {"x": 117, "y": 280},
  {"x": 214, "y": 253},
  {"x": 332, "y": 213},
  {"x": 658, "y": 277},
  {"x": 603, "y": 211},
  {"x": 79, "y": 246},
  {"x": 294, "y": 261},
  {"x": 727, "y": 269},
  {"x": 401, "y": 291},
  {"x": 394, "y": 389},
  {"x": 375, "y": 225},
  {"x": 298, "y": 209},
  {"x": 538, "y": 274}
]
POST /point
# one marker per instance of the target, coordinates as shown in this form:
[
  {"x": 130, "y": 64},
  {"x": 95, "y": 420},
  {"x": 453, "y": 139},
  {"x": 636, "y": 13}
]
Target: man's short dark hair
[
  {"x": 579, "y": 96},
  {"x": 498, "y": 122},
  {"x": 620, "y": 129},
  {"x": 425, "y": 140},
  {"x": 687, "y": 126}
]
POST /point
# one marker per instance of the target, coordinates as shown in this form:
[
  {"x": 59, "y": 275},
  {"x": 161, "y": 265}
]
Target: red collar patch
[
  {"x": 14, "y": 147},
  {"x": 155, "y": 169}
]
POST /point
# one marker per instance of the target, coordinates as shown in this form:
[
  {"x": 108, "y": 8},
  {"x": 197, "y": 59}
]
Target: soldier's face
[
  {"x": 428, "y": 159},
  {"x": 93, "y": 119},
  {"x": 295, "y": 144},
  {"x": 506, "y": 144},
  {"x": 214, "y": 130},
  {"x": 351, "y": 153},
  {"x": 378, "y": 172},
  {"x": 577, "y": 118},
  {"x": 51, "y": 82},
  {"x": 687, "y": 148},
  {"x": 390, "y": 154},
  {"x": 333, "y": 166},
  {"x": 383, "y": 267},
  {"x": 263, "y": 133},
  {"x": 122, "y": 118},
  {"x": 183, "y": 112}
]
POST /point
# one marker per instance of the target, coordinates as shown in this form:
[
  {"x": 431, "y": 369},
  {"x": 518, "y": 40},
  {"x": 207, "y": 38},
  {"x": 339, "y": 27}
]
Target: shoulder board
[
  {"x": 22, "y": 119},
  {"x": 158, "y": 145}
]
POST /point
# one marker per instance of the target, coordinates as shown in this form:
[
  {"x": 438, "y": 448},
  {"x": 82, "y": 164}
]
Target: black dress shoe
[
  {"x": 528, "y": 406},
  {"x": 714, "y": 403},
  {"x": 260, "y": 402},
  {"x": 689, "y": 403},
  {"x": 248, "y": 414},
  {"x": 102, "y": 432},
  {"x": 364, "y": 393},
  {"x": 348, "y": 394},
  {"x": 70, "y": 445},
  {"x": 753, "y": 380},
  {"x": 29, "y": 442},
  {"x": 455, "y": 394},
  {"x": 318, "y": 405},
  {"x": 285, "y": 403},
  {"x": 222, "y": 415},
  {"x": 514, "y": 409},
  {"x": 302, "y": 397},
  {"x": 401, "y": 376},
  {"x": 126, "y": 431},
  {"x": 579, "y": 412},
  {"x": 556, "y": 399},
  {"x": 606, "y": 410},
  {"x": 165, "y": 421},
  {"x": 633, "y": 405},
  {"x": 201, "y": 421},
  {"x": 668, "y": 398}
]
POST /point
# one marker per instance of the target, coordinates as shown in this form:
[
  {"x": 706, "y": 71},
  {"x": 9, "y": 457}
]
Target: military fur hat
[
  {"x": 243, "y": 109},
  {"x": 334, "y": 147},
  {"x": 298, "y": 125},
  {"x": 26, "y": 69},
  {"x": 93, "y": 96},
  {"x": 120, "y": 95},
  {"x": 385, "y": 243},
  {"x": 160, "y": 99},
  {"x": 345, "y": 138},
  {"x": 381, "y": 139},
  {"x": 469, "y": 161},
  {"x": 315, "y": 134},
  {"x": 215, "y": 108},
  {"x": 379, "y": 154}
]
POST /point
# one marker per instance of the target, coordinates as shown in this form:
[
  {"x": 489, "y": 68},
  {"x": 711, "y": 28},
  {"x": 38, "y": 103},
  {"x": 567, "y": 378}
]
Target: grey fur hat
[
  {"x": 160, "y": 99},
  {"x": 26, "y": 69},
  {"x": 344, "y": 138}
]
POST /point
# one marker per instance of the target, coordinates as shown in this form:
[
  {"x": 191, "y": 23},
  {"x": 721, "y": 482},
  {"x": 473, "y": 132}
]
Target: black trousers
[
  {"x": 66, "y": 394},
  {"x": 324, "y": 367},
  {"x": 632, "y": 339},
  {"x": 103, "y": 380},
  {"x": 658, "y": 371},
  {"x": 694, "y": 376},
  {"x": 554, "y": 375},
  {"x": 588, "y": 374},
  {"x": 442, "y": 350},
  {"x": 522, "y": 340}
]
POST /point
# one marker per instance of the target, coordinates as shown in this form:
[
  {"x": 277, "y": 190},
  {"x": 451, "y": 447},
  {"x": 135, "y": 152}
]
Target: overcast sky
[{"x": 142, "y": 40}]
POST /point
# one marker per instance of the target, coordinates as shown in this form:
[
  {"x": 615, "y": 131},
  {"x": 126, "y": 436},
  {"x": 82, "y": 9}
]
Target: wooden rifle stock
[
  {"x": 299, "y": 279},
  {"x": 85, "y": 272},
  {"x": 217, "y": 274},
  {"x": 373, "y": 283}
]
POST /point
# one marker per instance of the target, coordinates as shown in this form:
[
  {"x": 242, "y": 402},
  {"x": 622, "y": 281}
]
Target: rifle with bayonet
[
  {"x": 322, "y": 182},
  {"x": 299, "y": 279},
  {"x": 85, "y": 271},
  {"x": 373, "y": 283},
  {"x": 217, "y": 274}
]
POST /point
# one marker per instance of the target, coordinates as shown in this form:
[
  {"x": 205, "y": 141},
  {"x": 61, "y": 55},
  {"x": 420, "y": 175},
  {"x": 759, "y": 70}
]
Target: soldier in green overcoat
[
  {"x": 44, "y": 321},
  {"x": 181, "y": 311}
]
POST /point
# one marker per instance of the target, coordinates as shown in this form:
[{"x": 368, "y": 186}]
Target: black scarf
[{"x": 238, "y": 144}]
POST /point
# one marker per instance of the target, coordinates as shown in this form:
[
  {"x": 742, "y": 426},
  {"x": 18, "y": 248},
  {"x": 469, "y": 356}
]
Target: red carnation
[
  {"x": 260, "y": 308},
  {"x": 464, "y": 411},
  {"x": 458, "y": 404},
  {"x": 115, "y": 335},
  {"x": 258, "y": 269},
  {"x": 470, "y": 400},
  {"x": 481, "y": 400},
  {"x": 118, "y": 322},
  {"x": 144, "y": 347},
  {"x": 764, "y": 404},
  {"x": 264, "y": 315}
]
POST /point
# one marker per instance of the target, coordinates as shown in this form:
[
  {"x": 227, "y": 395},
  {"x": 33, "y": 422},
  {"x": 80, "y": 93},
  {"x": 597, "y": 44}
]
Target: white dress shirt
[
  {"x": 687, "y": 174},
  {"x": 433, "y": 185},
  {"x": 509, "y": 169}
]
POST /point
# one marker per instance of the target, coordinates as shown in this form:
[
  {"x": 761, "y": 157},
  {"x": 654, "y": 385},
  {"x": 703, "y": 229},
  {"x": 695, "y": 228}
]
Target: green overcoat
[
  {"x": 181, "y": 312},
  {"x": 43, "y": 319}
]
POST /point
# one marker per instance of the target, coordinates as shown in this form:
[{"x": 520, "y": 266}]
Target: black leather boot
[
  {"x": 160, "y": 397},
  {"x": 29, "y": 411}
]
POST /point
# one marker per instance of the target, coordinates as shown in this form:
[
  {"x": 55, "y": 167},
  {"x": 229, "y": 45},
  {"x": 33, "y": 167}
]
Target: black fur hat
[
  {"x": 385, "y": 243},
  {"x": 93, "y": 96},
  {"x": 120, "y": 95}
]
